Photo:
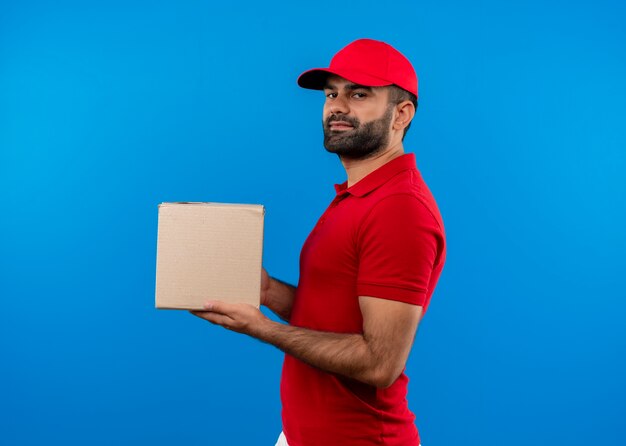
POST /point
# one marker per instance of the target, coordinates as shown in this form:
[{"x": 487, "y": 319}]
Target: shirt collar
[{"x": 378, "y": 177}]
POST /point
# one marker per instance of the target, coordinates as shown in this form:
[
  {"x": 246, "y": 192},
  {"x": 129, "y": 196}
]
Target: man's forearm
[
  {"x": 345, "y": 354},
  {"x": 376, "y": 357},
  {"x": 279, "y": 298}
]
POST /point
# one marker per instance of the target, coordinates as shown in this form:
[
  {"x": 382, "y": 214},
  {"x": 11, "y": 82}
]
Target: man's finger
[
  {"x": 214, "y": 318},
  {"x": 217, "y": 306}
]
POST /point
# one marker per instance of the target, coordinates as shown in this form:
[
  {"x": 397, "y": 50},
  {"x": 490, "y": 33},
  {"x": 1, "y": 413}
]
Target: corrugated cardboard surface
[{"x": 208, "y": 251}]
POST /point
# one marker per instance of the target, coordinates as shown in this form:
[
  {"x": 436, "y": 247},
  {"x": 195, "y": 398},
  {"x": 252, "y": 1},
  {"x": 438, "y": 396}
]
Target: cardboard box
[{"x": 208, "y": 251}]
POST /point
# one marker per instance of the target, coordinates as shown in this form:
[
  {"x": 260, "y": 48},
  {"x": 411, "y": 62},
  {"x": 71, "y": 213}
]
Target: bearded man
[{"x": 367, "y": 270}]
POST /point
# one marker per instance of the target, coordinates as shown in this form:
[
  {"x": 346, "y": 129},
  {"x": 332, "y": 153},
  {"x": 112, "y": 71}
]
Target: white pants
[{"x": 282, "y": 441}]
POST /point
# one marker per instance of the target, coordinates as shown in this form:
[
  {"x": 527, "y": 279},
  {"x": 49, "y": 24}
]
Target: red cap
[{"x": 365, "y": 62}]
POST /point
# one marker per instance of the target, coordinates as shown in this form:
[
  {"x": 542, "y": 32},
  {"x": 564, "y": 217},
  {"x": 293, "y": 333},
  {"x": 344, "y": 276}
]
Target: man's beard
[{"x": 362, "y": 141}]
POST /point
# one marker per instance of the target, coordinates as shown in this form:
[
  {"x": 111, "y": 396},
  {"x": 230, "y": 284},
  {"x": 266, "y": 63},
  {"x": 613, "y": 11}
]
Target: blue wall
[{"x": 108, "y": 108}]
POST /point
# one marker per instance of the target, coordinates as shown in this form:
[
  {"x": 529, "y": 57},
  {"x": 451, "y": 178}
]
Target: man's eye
[
  {"x": 331, "y": 95},
  {"x": 359, "y": 95}
]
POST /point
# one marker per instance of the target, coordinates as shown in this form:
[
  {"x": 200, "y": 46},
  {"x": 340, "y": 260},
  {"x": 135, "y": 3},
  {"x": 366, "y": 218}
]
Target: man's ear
[{"x": 405, "y": 111}]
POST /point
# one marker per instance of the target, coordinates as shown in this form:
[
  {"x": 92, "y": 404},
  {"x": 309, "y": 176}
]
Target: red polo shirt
[{"x": 383, "y": 237}]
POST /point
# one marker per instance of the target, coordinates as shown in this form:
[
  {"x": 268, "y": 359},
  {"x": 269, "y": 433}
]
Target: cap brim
[{"x": 315, "y": 79}]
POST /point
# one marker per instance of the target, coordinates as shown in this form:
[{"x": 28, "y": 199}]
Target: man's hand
[
  {"x": 276, "y": 295},
  {"x": 246, "y": 319},
  {"x": 242, "y": 318}
]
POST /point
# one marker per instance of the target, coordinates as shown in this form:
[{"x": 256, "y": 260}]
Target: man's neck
[{"x": 359, "y": 169}]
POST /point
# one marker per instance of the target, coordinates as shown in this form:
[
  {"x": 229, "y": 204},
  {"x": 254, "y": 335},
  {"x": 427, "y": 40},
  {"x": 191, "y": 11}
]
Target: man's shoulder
[{"x": 406, "y": 194}]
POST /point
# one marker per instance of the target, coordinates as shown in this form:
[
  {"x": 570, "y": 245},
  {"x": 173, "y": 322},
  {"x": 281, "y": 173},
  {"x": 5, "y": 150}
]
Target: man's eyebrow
[
  {"x": 357, "y": 87},
  {"x": 350, "y": 87}
]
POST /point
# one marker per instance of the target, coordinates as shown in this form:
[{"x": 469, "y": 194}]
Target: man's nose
[{"x": 339, "y": 105}]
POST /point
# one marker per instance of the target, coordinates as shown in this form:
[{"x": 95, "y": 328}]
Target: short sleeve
[{"x": 398, "y": 249}]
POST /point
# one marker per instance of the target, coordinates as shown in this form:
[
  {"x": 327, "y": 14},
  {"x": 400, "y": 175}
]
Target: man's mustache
[{"x": 352, "y": 121}]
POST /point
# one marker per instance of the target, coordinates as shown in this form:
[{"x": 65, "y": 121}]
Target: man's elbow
[{"x": 384, "y": 377}]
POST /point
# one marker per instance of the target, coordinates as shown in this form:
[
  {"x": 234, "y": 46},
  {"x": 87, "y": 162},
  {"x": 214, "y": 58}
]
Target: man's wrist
[{"x": 263, "y": 329}]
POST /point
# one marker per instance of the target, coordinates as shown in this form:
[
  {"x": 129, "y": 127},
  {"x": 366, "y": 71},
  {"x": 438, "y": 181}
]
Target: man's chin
[
  {"x": 336, "y": 144},
  {"x": 350, "y": 153},
  {"x": 336, "y": 150},
  {"x": 339, "y": 149}
]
